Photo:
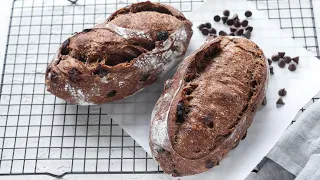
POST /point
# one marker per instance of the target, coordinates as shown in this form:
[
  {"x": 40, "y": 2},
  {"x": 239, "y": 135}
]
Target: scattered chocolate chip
[
  {"x": 269, "y": 61},
  {"x": 275, "y": 57},
  {"x": 222, "y": 33},
  {"x": 74, "y": 74},
  {"x": 216, "y": 18},
  {"x": 112, "y": 93},
  {"x": 239, "y": 32},
  {"x": 64, "y": 47},
  {"x": 281, "y": 63},
  {"x": 145, "y": 77},
  {"x": 201, "y": 26},
  {"x": 247, "y": 34},
  {"x": 162, "y": 35},
  {"x": 180, "y": 112},
  {"x": 224, "y": 19},
  {"x": 233, "y": 29},
  {"x": 235, "y": 17},
  {"x": 213, "y": 31},
  {"x": 249, "y": 28},
  {"x": 271, "y": 70},
  {"x": 281, "y": 54},
  {"x": 287, "y": 59},
  {"x": 100, "y": 71},
  {"x": 237, "y": 24},
  {"x": 244, "y": 136},
  {"x": 226, "y": 13},
  {"x": 296, "y": 59},
  {"x": 208, "y": 25},
  {"x": 280, "y": 101},
  {"x": 292, "y": 67},
  {"x": 209, "y": 164},
  {"x": 205, "y": 31},
  {"x": 264, "y": 102},
  {"x": 86, "y": 30},
  {"x": 244, "y": 23},
  {"x": 248, "y": 13},
  {"x": 282, "y": 92},
  {"x": 230, "y": 22}
]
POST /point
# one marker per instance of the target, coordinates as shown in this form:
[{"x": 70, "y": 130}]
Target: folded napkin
[{"x": 297, "y": 153}]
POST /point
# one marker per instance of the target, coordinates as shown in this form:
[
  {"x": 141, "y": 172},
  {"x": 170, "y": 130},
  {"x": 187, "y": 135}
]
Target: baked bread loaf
[
  {"x": 209, "y": 104},
  {"x": 130, "y": 50}
]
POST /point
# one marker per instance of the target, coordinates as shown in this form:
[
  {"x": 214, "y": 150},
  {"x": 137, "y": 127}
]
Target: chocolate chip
[
  {"x": 244, "y": 23},
  {"x": 280, "y": 102},
  {"x": 231, "y": 34},
  {"x": 86, "y": 30},
  {"x": 207, "y": 120},
  {"x": 269, "y": 61},
  {"x": 112, "y": 93},
  {"x": 244, "y": 136},
  {"x": 201, "y": 26},
  {"x": 237, "y": 24},
  {"x": 162, "y": 35},
  {"x": 213, "y": 31},
  {"x": 208, "y": 25},
  {"x": 271, "y": 70},
  {"x": 100, "y": 71},
  {"x": 205, "y": 31},
  {"x": 230, "y": 22},
  {"x": 216, "y": 18},
  {"x": 287, "y": 59},
  {"x": 248, "y": 13},
  {"x": 292, "y": 67},
  {"x": 235, "y": 17},
  {"x": 281, "y": 63},
  {"x": 180, "y": 112},
  {"x": 282, "y": 92},
  {"x": 249, "y": 28},
  {"x": 64, "y": 47},
  {"x": 264, "y": 102},
  {"x": 224, "y": 19},
  {"x": 222, "y": 33},
  {"x": 275, "y": 57},
  {"x": 209, "y": 164},
  {"x": 296, "y": 59},
  {"x": 226, "y": 13},
  {"x": 145, "y": 77},
  {"x": 233, "y": 29},
  {"x": 281, "y": 54},
  {"x": 218, "y": 163},
  {"x": 247, "y": 34},
  {"x": 74, "y": 74},
  {"x": 239, "y": 32}
]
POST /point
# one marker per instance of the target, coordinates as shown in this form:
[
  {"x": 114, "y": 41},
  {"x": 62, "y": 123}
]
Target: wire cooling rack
[{"x": 41, "y": 134}]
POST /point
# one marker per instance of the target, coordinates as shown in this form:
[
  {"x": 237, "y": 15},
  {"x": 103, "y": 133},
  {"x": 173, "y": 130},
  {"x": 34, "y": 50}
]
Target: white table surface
[{"x": 5, "y": 10}]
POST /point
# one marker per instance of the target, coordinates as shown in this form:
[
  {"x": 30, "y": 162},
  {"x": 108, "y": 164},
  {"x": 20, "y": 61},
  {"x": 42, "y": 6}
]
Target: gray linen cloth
[{"x": 297, "y": 153}]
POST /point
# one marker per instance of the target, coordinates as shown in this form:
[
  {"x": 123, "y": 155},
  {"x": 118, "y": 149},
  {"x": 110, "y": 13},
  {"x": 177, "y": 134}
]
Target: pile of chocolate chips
[
  {"x": 237, "y": 27},
  {"x": 283, "y": 60}
]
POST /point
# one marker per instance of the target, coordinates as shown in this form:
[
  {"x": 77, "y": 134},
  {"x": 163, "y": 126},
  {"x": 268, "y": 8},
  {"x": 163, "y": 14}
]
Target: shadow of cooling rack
[{"x": 41, "y": 134}]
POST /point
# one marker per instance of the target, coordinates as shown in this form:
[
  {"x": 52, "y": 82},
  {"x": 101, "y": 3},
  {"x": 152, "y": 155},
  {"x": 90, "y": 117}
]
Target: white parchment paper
[{"x": 133, "y": 114}]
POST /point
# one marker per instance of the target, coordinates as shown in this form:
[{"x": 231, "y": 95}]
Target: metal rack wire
[{"x": 41, "y": 134}]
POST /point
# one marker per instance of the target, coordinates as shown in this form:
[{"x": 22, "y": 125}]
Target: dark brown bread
[
  {"x": 207, "y": 107},
  {"x": 130, "y": 50}
]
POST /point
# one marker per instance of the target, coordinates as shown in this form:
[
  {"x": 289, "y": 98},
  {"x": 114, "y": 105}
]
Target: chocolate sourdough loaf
[
  {"x": 130, "y": 50},
  {"x": 209, "y": 104}
]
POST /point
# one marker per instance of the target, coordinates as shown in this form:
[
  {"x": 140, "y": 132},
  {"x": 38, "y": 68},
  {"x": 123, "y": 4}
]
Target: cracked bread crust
[
  {"x": 120, "y": 56},
  {"x": 209, "y": 104}
]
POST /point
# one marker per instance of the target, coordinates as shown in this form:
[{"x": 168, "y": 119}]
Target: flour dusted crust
[
  {"x": 209, "y": 104},
  {"x": 120, "y": 56}
]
